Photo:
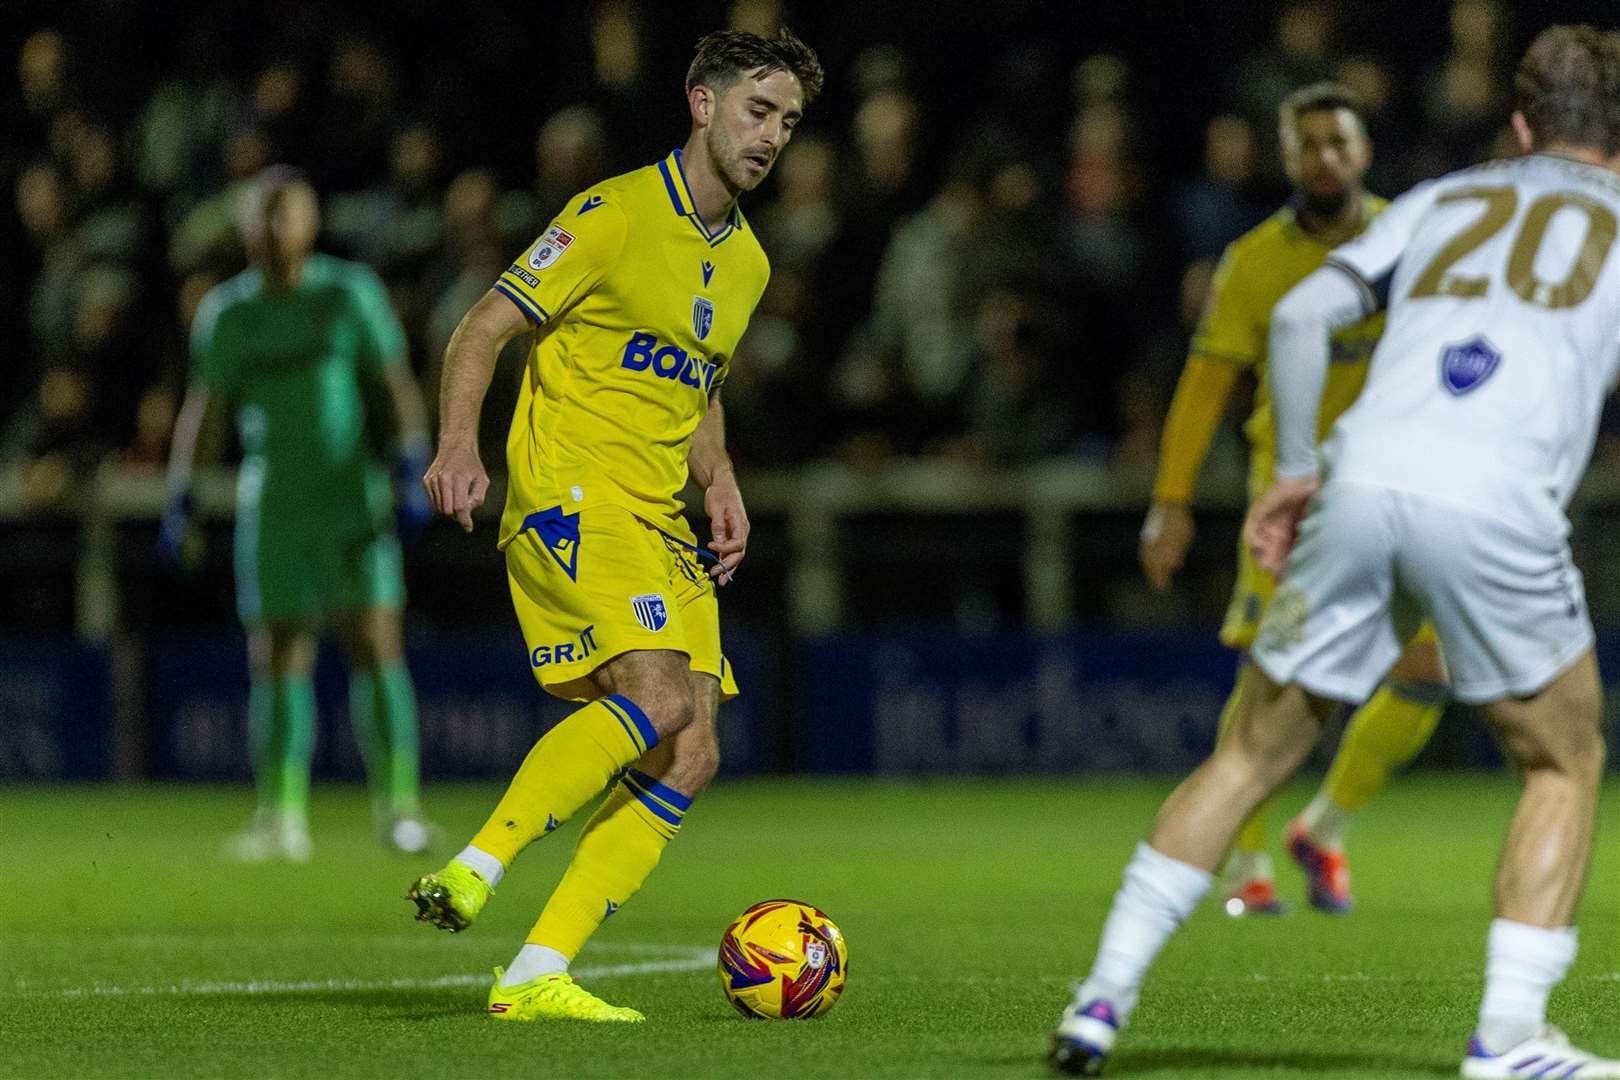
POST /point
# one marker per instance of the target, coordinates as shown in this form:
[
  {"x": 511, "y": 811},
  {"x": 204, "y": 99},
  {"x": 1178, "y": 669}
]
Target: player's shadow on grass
[
  {"x": 398, "y": 1004},
  {"x": 1214, "y": 1062},
  {"x": 1193, "y": 1064}
]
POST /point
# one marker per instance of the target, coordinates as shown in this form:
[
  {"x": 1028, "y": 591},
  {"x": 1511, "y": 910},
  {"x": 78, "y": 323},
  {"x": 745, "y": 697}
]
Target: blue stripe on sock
[
  {"x": 663, "y": 791},
  {"x": 624, "y": 722},
  {"x": 649, "y": 735},
  {"x": 653, "y": 804}
]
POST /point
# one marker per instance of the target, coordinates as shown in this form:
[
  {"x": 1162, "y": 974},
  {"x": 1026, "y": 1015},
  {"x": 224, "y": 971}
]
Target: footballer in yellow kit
[
  {"x": 635, "y": 296},
  {"x": 1326, "y": 153},
  {"x": 599, "y": 558}
]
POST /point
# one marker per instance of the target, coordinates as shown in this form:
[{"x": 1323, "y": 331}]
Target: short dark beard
[{"x": 1325, "y": 207}]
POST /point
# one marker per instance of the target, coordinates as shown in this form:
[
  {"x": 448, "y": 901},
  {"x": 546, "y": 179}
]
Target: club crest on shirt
[
  {"x": 551, "y": 247},
  {"x": 702, "y": 316},
  {"x": 1463, "y": 367},
  {"x": 651, "y": 612}
]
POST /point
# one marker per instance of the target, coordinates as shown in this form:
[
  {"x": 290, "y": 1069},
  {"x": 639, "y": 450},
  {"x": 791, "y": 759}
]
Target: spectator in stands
[
  {"x": 1013, "y": 415},
  {"x": 570, "y": 154},
  {"x": 1221, "y": 204}
]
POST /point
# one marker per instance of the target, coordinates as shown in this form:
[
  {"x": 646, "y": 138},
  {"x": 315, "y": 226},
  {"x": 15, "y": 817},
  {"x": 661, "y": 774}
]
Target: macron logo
[{"x": 589, "y": 204}]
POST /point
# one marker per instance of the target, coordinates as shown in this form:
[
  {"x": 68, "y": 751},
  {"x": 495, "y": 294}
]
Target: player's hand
[
  {"x": 175, "y": 531},
  {"x": 1167, "y": 533},
  {"x": 728, "y": 523},
  {"x": 1272, "y": 524},
  {"x": 412, "y": 508},
  {"x": 457, "y": 483}
]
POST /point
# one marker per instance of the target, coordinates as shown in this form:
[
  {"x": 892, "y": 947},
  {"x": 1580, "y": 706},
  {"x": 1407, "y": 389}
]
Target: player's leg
[
  {"x": 1555, "y": 741},
  {"x": 1382, "y": 736},
  {"x": 382, "y": 711},
  {"x": 1271, "y": 733},
  {"x": 618, "y": 848},
  {"x": 588, "y": 593},
  {"x": 281, "y": 738},
  {"x": 1329, "y": 628},
  {"x": 1251, "y": 882},
  {"x": 571, "y": 763}
]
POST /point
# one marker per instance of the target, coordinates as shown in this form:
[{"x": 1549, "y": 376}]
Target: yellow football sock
[
  {"x": 618, "y": 848},
  {"x": 1252, "y": 837},
  {"x": 1383, "y": 735},
  {"x": 571, "y": 763}
]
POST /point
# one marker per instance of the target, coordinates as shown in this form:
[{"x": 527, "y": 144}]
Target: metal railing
[{"x": 1052, "y": 499}]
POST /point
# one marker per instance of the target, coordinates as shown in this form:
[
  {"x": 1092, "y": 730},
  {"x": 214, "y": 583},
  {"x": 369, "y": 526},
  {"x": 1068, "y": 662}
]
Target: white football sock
[
  {"x": 1326, "y": 821},
  {"x": 533, "y": 961},
  {"x": 1522, "y": 965},
  {"x": 1157, "y": 896},
  {"x": 1244, "y": 866},
  {"x": 488, "y": 866}
]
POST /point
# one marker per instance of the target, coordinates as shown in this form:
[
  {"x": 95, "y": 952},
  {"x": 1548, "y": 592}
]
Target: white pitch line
[{"x": 692, "y": 960}]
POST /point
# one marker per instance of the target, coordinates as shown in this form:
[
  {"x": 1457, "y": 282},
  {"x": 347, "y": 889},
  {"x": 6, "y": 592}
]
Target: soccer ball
[{"x": 783, "y": 960}]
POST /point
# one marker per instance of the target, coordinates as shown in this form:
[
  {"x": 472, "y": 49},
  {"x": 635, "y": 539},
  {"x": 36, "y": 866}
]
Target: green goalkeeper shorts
[{"x": 300, "y": 570}]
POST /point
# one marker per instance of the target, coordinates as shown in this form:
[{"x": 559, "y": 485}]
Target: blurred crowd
[{"x": 993, "y": 270}]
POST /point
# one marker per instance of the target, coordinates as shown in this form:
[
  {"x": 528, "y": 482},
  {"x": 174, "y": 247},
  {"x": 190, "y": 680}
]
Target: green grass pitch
[{"x": 128, "y": 947}]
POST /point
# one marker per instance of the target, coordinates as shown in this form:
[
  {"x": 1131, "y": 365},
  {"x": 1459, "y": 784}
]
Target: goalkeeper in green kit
[{"x": 288, "y": 344}]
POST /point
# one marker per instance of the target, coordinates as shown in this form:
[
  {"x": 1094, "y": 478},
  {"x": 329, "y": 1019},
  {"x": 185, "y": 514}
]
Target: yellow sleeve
[
  {"x": 577, "y": 250},
  {"x": 1231, "y": 329},
  {"x": 1195, "y": 412}
]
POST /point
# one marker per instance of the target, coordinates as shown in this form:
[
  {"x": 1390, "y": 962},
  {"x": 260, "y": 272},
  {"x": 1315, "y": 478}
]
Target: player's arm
[
  {"x": 1195, "y": 412},
  {"x": 562, "y": 267},
  {"x": 199, "y": 426},
  {"x": 710, "y": 466},
  {"x": 385, "y": 354},
  {"x": 1226, "y": 343},
  {"x": 456, "y": 481},
  {"x": 195, "y": 444}
]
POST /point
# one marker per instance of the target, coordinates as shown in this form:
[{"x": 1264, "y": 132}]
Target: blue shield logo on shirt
[
  {"x": 650, "y": 611},
  {"x": 1463, "y": 367},
  {"x": 702, "y": 316}
]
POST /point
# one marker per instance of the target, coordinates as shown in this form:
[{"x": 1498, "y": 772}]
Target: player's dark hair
[
  {"x": 1568, "y": 87},
  {"x": 1320, "y": 97},
  {"x": 726, "y": 55}
]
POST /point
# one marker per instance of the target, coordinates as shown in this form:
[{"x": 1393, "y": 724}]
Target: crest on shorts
[
  {"x": 702, "y": 316},
  {"x": 550, "y": 247},
  {"x": 1463, "y": 367},
  {"x": 651, "y": 612},
  {"x": 1284, "y": 624}
]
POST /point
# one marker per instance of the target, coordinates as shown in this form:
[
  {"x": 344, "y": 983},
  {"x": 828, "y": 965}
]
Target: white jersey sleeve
[{"x": 1301, "y": 326}]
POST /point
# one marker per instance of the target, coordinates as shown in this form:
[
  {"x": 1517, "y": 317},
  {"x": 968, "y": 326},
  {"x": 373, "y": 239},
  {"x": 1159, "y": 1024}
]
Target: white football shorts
[{"x": 1371, "y": 563}]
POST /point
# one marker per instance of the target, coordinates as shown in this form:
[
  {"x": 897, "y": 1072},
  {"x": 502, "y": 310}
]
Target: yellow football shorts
[{"x": 602, "y": 582}]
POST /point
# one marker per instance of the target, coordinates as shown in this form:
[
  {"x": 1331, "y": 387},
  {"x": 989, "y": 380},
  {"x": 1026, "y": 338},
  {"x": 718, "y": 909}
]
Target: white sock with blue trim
[
  {"x": 1522, "y": 965},
  {"x": 1155, "y": 899}
]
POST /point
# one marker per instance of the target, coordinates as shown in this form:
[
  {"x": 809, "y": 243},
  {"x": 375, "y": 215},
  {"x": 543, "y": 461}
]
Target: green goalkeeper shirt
[{"x": 291, "y": 363}]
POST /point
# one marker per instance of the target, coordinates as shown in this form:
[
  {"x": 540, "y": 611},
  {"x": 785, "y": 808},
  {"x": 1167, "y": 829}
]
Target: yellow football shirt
[
  {"x": 1257, "y": 270},
  {"x": 638, "y": 308}
]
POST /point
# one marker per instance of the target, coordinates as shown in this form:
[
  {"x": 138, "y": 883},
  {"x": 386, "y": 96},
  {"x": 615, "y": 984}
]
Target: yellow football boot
[
  {"x": 450, "y": 898},
  {"x": 554, "y": 997}
]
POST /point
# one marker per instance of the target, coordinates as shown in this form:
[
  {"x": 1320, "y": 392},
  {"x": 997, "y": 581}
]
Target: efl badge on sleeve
[
  {"x": 1463, "y": 367},
  {"x": 650, "y": 611},
  {"x": 702, "y": 316},
  {"x": 551, "y": 247}
]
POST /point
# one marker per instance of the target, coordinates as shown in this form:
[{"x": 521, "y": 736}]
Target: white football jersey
[{"x": 1503, "y": 338}]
